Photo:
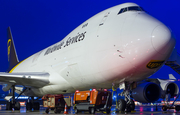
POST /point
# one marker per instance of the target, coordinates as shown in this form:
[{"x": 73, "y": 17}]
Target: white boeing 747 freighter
[{"x": 121, "y": 47}]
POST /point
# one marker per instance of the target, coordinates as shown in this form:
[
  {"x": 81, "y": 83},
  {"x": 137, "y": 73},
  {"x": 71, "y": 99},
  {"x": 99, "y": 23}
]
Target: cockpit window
[
  {"x": 125, "y": 9},
  {"x": 134, "y": 8},
  {"x": 131, "y": 8},
  {"x": 121, "y": 11}
]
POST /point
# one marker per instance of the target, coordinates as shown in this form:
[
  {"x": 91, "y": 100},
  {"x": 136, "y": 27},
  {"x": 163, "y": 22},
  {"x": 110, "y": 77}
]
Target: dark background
[{"x": 37, "y": 24}]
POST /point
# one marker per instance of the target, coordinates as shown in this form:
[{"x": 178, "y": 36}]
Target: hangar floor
[{"x": 143, "y": 110}]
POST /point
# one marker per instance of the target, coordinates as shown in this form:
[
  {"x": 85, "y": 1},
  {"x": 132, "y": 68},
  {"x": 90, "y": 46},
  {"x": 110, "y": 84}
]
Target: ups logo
[
  {"x": 9, "y": 47},
  {"x": 154, "y": 64}
]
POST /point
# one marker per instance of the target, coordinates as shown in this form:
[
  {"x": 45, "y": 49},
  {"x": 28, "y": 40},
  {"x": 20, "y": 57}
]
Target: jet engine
[
  {"x": 6, "y": 87},
  {"x": 168, "y": 87},
  {"x": 146, "y": 92}
]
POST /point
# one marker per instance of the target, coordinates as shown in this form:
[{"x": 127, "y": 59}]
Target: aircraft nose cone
[{"x": 162, "y": 40}]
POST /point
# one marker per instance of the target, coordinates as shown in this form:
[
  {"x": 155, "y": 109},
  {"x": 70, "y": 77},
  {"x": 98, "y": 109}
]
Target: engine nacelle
[
  {"x": 168, "y": 87},
  {"x": 146, "y": 92}
]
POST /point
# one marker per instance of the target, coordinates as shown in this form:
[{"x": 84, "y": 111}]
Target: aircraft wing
[
  {"x": 31, "y": 79},
  {"x": 157, "y": 80}
]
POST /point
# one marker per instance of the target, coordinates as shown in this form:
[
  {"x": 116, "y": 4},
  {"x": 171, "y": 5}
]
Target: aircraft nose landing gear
[{"x": 126, "y": 104}]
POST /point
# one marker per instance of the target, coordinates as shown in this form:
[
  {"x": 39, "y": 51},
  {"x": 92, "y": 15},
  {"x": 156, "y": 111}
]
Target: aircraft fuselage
[{"x": 111, "y": 47}]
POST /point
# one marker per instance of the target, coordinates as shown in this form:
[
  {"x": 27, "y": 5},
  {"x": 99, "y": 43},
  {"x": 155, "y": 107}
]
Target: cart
[{"x": 55, "y": 102}]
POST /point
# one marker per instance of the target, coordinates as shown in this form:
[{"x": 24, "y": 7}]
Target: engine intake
[
  {"x": 168, "y": 87},
  {"x": 172, "y": 88},
  {"x": 146, "y": 92}
]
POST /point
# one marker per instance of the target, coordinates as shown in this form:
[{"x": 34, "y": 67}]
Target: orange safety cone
[{"x": 65, "y": 109}]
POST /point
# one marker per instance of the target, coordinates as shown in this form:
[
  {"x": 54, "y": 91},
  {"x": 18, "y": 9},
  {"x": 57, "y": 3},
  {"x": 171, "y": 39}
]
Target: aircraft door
[{"x": 104, "y": 19}]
